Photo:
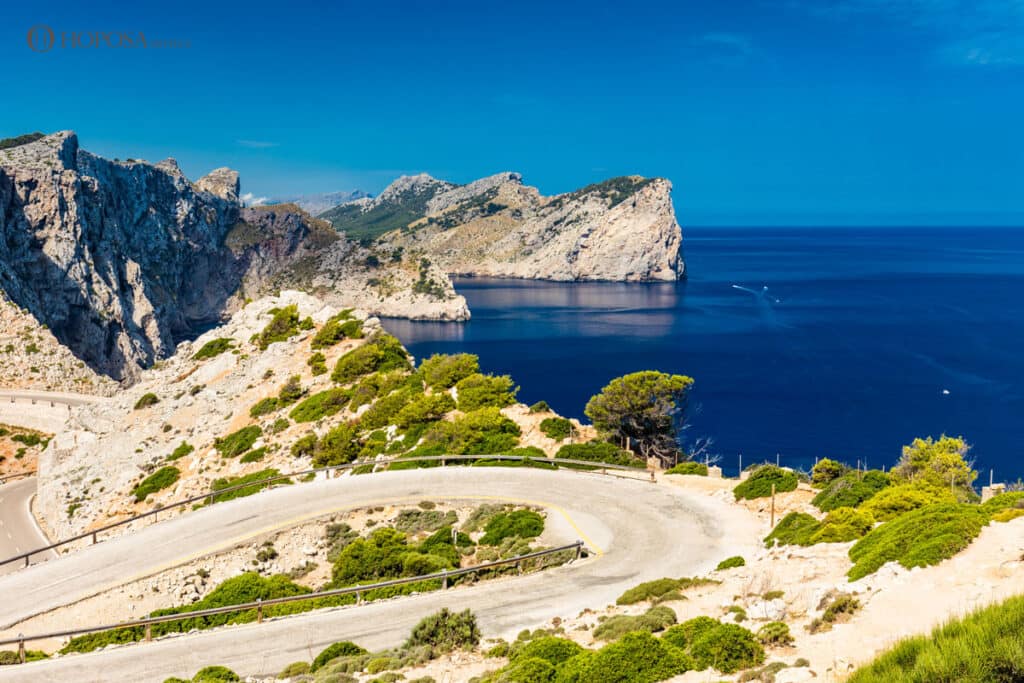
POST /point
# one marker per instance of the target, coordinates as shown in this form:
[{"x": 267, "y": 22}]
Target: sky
[{"x": 867, "y": 112}]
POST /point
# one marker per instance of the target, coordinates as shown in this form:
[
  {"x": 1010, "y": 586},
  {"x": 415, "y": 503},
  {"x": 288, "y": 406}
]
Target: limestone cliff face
[
  {"x": 623, "y": 229},
  {"x": 121, "y": 260}
]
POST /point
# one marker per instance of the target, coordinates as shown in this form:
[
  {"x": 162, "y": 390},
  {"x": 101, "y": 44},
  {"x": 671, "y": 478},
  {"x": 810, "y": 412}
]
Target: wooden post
[
  {"x": 149, "y": 633},
  {"x": 94, "y": 538},
  {"x": 21, "y": 648},
  {"x": 773, "y": 506},
  {"x": 259, "y": 610}
]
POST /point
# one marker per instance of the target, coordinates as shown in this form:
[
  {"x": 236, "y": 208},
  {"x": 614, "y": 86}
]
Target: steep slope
[
  {"x": 622, "y": 229},
  {"x": 259, "y": 392},
  {"x": 121, "y": 260},
  {"x": 315, "y": 204}
]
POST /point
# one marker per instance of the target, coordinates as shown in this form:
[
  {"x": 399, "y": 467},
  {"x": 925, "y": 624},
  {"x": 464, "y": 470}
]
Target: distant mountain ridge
[
  {"x": 622, "y": 229},
  {"x": 316, "y": 204}
]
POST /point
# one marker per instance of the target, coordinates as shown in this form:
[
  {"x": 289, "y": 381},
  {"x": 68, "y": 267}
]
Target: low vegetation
[
  {"x": 381, "y": 353},
  {"x": 337, "y": 328},
  {"x": 158, "y": 481},
  {"x": 849, "y": 489},
  {"x": 442, "y": 371},
  {"x": 655, "y": 619},
  {"x": 238, "y": 442},
  {"x": 731, "y": 563},
  {"x": 255, "y": 479},
  {"x": 690, "y": 467},
  {"x": 147, "y": 400},
  {"x": 660, "y": 590},
  {"x": 557, "y": 428},
  {"x": 283, "y": 325},
  {"x": 839, "y": 526},
  {"x": 759, "y": 483},
  {"x": 479, "y": 391},
  {"x": 213, "y": 348},
  {"x": 984, "y": 646}
]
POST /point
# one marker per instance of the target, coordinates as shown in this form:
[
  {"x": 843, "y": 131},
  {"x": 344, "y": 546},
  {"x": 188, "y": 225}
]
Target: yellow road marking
[{"x": 223, "y": 545}]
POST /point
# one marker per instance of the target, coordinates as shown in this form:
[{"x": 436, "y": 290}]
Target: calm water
[{"x": 846, "y": 355}]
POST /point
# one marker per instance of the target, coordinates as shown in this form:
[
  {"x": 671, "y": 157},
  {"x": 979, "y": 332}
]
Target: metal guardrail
[
  {"x": 212, "y": 495},
  {"x": 260, "y": 605},
  {"x": 8, "y": 477}
]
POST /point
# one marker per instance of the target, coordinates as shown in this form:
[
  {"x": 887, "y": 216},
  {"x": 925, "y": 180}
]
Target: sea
[{"x": 804, "y": 343}]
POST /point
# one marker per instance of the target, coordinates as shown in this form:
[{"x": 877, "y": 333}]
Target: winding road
[
  {"x": 637, "y": 530},
  {"x": 18, "y": 529}
]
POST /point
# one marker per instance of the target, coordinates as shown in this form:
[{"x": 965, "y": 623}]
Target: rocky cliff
[
  {"x": 120, "y": 260},
  {"x": 622, "y": 229}
]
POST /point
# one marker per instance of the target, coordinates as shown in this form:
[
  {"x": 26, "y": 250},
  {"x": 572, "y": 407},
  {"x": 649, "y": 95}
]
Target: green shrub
[
  {"x": 759, "y": 483},
  {"x": 557, "y": 428},
  {"x": 446, "y": 631},
  {"x": 894, "y": 501},
  {"x": 317, "y": 363},
  {"x": 294, "y": 669},
  {"x": 689, "y": 467},
  {"x": 291, "y": 391},
  {"x": 279, "y": 425},
  {"x": 731, "y": 563},
  {"x": 919, "y": 538},
  {"x": 518, "y": 523},
  {"x": 726, "y": 648},
  {"x": 850, "y": 489},
  {"x": 775, "y": 634},
  {"x": 336, "y": 328},
  {"x": 215, "y": 674},
  {"x": 283, "y": 325},
  {"x": 337, "y": 447},
  {"x": 983, "y": 646},
  {"x": 238, "y": 442},
  {"x": 655, "y": 619},
  {"x": 481, "y": 432},
  {"x": 341, "y": 649},
  {"x": 256, "y": 478},
  {"x": 146, "y": 400},
  {"x": 264, "y": 406},
  {"x": 424, "y": 409},
  {"x": 938, "y": 464},
  {"x": 684, "y": 634},
  {"x": 839, "y": 526},
  {"x": 8, "y": 657},
  {"x": 837, "y": 607},
  {"x": 653, "y": 591},
  {"x": 255, "y": 455},
  {"x": 1004, "y": 501},
  {"x": 525, "y": 670},
  {"x": 636, "y": 658},
  {"x": 182, "y": 449},
  {"x": 442, "y": 371},
  {"x": 158, "y": 481},
  {"x": 213, "y": 348},
  {"x": 384, "y": 410},
  {"x": 1008, "y": 515},
  {"x": 826, "y": 471},
  {"x": 381, "y": 353},
  {"x": 540, "y": 407},
  {"x": 321, "y": 404},
  {"x": 304, "y": 445},
  {"x": 599, "y": 451},
  {"x": 479, "y": 391},
  {"x": 548, "y": 648}
]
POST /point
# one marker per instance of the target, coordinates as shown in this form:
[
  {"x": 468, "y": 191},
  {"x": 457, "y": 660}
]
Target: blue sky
[{"x": 853, "y": 111}]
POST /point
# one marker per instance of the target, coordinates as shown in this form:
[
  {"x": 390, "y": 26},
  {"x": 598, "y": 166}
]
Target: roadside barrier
[
  {"x": 210, "y": 498},
  {"x": 260, "y": 605}
]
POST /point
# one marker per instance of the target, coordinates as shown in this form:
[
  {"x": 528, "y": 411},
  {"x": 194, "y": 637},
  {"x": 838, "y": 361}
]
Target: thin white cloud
[
  {"x": 249, "y": 199},
  {"x": 969, "y": 32},
  {"x": 725, "y": 47},
  {"x": 256, "y": 144}
]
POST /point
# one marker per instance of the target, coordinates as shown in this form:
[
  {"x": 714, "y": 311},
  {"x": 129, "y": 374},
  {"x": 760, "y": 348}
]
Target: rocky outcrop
[
  {"x": 121, "y": 260},
  {"x": 623, "y": 229}
]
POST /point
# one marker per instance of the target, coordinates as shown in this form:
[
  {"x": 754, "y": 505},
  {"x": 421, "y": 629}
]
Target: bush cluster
[
  {"x": 599, "y": 451},
  {"x": 159, "y": 480},
  {"x": 731, "y": 563},
  {"x": 653, "y": 620},
  {"x": 338, "y": 327},
  {"x": 283, "y": 324},
  {"x": 481, "y": 432},
  {"x": 839, "y": 526},
  {"x": 711, "y": 644},
  {"x": 479, "y": 391},
  {"x": 321, "y": 404},
  {"x": 213, "y": 348},
  {"x": 518, "y": 523},
  {"x": 147, "y": 400},
  {"x": 893, "y": 501},
  {"x": 446, "y": 631},
  {"x": 382, "y": 352},
  {"x": 180, "y": 451},
  {"x": 238, "y": 442},
  {"x": 919, "y": 538},
  {"x": 689, "y": 467},
  {"x": 442, "y": 371},
  {"x": 850, "y": 489},
  {"x": 759, "y": 483},
  {"x": 826, "y": 471},
  {"x": 660, "y": 590},
  {"x": 256, "y": 478},
  {"x": 557, "y": 428}
]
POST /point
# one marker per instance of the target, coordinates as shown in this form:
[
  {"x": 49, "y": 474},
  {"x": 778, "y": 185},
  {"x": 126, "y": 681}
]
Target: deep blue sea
[{"x": 849, "y": 353}]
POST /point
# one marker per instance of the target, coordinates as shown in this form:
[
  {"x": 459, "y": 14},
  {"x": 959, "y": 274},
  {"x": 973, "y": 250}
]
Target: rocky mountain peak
[
  {"x": 221, "y": 182},
  {"x": 55, "y": 152}
]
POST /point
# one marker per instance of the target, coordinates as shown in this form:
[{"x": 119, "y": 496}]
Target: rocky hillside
[
  {"x": 623, "y": 229},
  {"x": 289, "y": 382},
  {"x": 122, "y": 259},
  {"x": 316, "y": 204}
]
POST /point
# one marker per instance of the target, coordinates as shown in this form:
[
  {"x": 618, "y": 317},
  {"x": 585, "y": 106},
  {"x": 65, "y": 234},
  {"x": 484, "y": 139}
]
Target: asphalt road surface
[
  {"x": 639, "y": 531},
  {"x": 19, "y": 532}
]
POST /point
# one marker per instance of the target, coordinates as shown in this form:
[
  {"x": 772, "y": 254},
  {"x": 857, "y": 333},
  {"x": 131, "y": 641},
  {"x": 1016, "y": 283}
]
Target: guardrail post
[
  {"x": 259, "y": 610},
  {"x": 519, "y": 567},
  {"x": 579, "y": 550},
  {"x": 444, "y": 580},
  {"x": 26, "y": 560},
  {"x": 94, "y": 538},
  {"x": 359, "y": 597},
  {"x": 149, "y": 633},
  {"x": 21, "y": 648},
  {"x": 443, "y": 462}
]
